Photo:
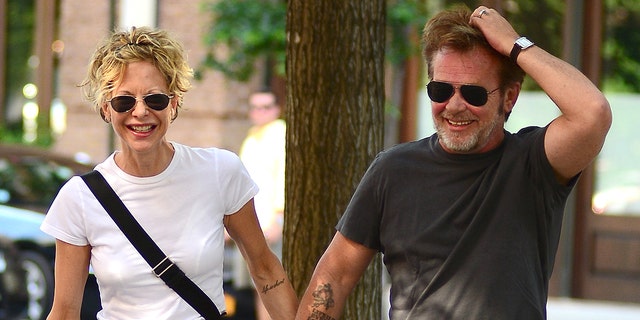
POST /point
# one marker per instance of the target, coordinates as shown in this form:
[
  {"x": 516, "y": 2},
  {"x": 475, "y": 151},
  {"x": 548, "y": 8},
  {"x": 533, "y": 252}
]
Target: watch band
[{"x": 520, "y": 44}]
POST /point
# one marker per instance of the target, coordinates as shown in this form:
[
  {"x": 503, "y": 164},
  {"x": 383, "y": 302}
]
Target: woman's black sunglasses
[
  {"x": 155, "y": 101},
  {"x": 442, "y": 91}
]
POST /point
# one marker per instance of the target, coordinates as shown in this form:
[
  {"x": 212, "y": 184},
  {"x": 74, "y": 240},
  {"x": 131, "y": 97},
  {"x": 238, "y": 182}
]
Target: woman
[{"x": 183, "y": 197}]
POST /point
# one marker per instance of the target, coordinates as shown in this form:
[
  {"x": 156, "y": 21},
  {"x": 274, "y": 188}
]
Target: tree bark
[{"x": 335, "y": 119}]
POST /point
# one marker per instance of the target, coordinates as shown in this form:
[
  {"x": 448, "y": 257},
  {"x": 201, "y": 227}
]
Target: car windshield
[{"x": 31, "y": 181}]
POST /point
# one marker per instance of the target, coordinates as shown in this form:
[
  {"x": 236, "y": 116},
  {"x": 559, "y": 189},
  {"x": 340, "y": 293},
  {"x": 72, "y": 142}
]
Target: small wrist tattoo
[{"x": 268, "y": 287}]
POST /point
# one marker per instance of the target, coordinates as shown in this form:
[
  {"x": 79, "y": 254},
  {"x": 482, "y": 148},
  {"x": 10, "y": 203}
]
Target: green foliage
[
  {"x": 21, "y": 24},
  {"x": 10, "y": 135},
  {"x": 540, "y": 21},
  {"x": 621, "y": 57},
  {"x": 13, "y": 134},
  {"x": 404, "y": 18},
  {"x": 248, "y": 29},
  {"x": 19, "y": 48},
  {"x": 241, "y": 31}
]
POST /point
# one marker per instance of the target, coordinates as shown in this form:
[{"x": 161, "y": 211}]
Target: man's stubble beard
[{"x": 456, "y": 141}]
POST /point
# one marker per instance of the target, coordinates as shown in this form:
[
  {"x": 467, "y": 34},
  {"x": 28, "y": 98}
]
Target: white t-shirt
[{"x": 182, "y": 209}]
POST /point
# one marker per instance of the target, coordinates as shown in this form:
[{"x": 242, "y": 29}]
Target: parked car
[
  {"x": 13, "y": 288},
  {"x": 30, "y": 177},
  {"x": 29, "y": 180},
  {"x": 31, "y": 262}
]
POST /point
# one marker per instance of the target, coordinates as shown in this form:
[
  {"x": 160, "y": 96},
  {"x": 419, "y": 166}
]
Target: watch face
[{"x": 524, "y": 42}]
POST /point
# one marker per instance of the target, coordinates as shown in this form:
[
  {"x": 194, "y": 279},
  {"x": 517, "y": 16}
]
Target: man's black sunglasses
[
  {"x": 155, "y": 101},
  {"x": 442, "y": 91}
]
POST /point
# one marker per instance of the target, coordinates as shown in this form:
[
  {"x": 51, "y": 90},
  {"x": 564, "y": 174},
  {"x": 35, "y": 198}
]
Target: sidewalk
[{"x": 576, "y": 309}]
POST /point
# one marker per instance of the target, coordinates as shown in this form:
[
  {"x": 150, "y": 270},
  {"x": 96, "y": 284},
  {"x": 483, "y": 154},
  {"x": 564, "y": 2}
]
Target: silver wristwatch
[{"x": 521, "y": 43}]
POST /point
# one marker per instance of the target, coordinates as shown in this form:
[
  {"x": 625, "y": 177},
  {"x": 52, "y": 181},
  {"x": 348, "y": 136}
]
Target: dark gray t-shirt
[{"x": 463, "y": 236}]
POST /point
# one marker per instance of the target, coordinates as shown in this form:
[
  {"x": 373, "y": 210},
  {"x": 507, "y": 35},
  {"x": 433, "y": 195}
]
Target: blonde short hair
[{"x": 111, "y": 57}]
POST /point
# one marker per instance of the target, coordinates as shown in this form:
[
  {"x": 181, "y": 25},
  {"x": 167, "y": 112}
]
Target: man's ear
[{"x": 511, "y": 96}]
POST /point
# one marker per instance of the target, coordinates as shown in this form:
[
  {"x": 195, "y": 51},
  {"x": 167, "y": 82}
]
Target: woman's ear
[
  {"x": 173, "y": 104},
  {"x": 104, "y": 113}
]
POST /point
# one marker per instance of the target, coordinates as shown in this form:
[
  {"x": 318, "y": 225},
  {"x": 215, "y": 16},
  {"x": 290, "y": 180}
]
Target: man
[
  {"x": 263, "y": 154},
  {"x": 468, "y": 219}
]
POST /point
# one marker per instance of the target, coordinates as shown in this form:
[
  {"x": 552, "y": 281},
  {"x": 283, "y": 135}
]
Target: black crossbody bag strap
[{"x": 162, "y": 267}]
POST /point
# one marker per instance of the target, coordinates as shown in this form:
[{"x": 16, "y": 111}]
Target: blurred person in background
[{"x": 263, "y": 154}]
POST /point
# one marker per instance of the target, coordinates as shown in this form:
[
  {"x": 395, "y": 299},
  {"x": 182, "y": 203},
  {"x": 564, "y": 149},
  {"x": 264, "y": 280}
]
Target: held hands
[{"x": 498, "y": 31}]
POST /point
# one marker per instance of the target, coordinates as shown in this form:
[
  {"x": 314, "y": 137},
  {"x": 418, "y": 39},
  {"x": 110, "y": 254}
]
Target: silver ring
[{"x": 483, "y": 11}]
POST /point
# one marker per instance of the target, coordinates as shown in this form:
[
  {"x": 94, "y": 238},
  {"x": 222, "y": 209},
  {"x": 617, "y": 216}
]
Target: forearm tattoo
[
  {"x": 268, "y": 287},
  {"x": 322, "y": 298},
  {"x": 317, "y": 315}
]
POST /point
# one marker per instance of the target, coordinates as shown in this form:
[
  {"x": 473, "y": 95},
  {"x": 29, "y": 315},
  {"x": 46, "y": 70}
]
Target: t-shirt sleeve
[
  {"x": 235, "y": 182},
  {"x": 544, "y": 171},
  {"x": 361, "y": 220},
  {"x": 65, "y": 218}
]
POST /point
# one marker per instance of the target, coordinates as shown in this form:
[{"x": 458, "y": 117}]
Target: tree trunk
[{"x": 335, "y": 119}]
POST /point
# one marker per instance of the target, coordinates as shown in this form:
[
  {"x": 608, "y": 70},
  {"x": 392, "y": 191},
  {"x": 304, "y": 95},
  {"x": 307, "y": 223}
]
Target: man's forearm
[
  {"x": 572, "y": 91},
  {"x": 320, "y": 302}
]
